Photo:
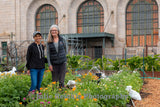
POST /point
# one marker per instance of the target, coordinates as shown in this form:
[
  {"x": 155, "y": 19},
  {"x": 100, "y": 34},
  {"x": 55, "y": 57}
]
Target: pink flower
[
  {"x": 33, "y": 90},
  {"x": 40, "y": 93},
  {"x": 24, "y": 98},
  {"x": 49, "y": 102},
  {"x": 42, "y": 102}
]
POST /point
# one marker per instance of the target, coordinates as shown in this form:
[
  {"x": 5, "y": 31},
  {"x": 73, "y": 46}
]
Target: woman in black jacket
[
  {"x": 36, "y": 61},
  {"x": 56, "y": 55}
]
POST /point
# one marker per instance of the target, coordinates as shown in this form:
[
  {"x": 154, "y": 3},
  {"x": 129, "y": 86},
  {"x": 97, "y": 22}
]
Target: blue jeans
[{"x": 36, "y": 78}]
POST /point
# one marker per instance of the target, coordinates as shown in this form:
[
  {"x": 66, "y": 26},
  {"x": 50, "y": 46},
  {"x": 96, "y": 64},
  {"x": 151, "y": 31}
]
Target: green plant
[{"x": 135, "y": 62}]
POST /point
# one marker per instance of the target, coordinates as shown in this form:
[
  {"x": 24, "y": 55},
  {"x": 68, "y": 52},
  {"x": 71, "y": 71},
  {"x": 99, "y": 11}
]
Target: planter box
[{"x": 151, "y": 74}]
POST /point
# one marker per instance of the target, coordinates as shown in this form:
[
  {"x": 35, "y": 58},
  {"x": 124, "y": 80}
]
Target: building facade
[{"x": 110, "y": 25}]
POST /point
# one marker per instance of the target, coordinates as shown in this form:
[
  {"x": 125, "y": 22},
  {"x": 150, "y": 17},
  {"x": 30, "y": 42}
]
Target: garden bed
[
  {"x": 150, "y": 94},
  {"x": 107, "y": 72},
  {"x": 150, "y": 74}
]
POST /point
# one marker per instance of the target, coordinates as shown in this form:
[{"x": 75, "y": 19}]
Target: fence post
[
  {"x": 125, "y": 55},
  {"x": 143, "y": 65},
  {"x": 16, "y": 59}
]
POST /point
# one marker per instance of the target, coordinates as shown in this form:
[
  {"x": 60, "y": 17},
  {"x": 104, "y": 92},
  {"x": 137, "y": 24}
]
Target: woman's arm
[{"x": 28, "y": 56}]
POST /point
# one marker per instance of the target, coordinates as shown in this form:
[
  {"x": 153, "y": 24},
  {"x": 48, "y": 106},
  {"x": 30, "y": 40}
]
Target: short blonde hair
[{"x": 50, "y": 38}]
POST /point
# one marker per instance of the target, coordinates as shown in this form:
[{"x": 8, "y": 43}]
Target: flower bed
[{"x": 108, "y": 92}]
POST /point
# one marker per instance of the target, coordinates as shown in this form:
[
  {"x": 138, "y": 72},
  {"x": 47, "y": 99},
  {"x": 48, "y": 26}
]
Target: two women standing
[{"x": 56, "y": 56}]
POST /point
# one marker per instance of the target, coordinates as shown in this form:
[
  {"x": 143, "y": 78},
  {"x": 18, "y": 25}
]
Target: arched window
[
  {"x": 142, "y": 23},
  {"x": 90, "y": 17},
  {"x": 45, "y": 17}
]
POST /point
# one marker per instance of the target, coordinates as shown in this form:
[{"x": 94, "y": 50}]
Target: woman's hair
[{"x": 50, "y": 38}]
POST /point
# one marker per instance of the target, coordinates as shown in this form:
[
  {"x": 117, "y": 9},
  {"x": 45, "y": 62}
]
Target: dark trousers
[{"x": 58, "y": 73}]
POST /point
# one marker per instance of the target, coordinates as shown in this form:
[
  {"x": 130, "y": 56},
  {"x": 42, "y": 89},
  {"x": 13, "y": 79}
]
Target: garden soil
[{"x": 150, "y": 94}]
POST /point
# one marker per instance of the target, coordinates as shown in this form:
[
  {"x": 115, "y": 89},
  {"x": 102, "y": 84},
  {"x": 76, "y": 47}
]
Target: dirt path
[{"x": 150, "y": 94}]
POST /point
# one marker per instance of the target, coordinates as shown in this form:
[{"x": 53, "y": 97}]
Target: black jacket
[
  {"x": 35, "y": 56},
  {"x": 60, "y": 57}
]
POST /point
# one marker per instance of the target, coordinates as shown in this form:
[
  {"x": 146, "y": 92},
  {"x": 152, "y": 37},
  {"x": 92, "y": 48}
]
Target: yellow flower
[
  {"x": 79, "y": 93},
  {"x": 85, "y": 74},
  {"x": 65, "y": 91},
  {"x": 67, "y": 73},
  {"x": 94, "y": 99},
  {"x": 54, "y": 82},
  {"x": 73, "y": 89},
  {"x": 75, "y": 96},
  {"x": 60, "y": 89},
  {"x": 85, "y": 89},
  {"x": 20, "y": 102},
  {"x": 77, "y": 99},
  {"x": 66, "y": 99},
  {"x": 82, "y": 97},
  {"x": 48, "y": 70},
  {"x": 46, "y": 88},
  {"x": 23, "y": 71}
]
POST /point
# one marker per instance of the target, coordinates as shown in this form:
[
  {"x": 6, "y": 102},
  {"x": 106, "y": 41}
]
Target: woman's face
[
  {"x": 54, "y": 31},
  {"x": 37, "y": 38}
]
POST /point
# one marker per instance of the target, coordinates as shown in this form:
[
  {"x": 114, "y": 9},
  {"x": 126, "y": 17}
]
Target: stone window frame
[
  {"x": 46, "y": 16},
  {"x": 142, "y": 37},
  {"x": 86, "y": 14}
]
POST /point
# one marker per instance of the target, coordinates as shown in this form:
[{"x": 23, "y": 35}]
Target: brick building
[{"x": 104, "y": 26}]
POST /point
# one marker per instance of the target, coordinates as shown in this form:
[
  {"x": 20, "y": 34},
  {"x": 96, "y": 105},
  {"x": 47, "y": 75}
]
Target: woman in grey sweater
[{"x": 56, "y": 55}]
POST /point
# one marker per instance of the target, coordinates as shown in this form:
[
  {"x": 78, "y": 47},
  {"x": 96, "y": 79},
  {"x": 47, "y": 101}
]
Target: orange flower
[
  {"x": 82, "y": 97},
  {"x": 20, "y": 102},
  {"x": 85, "y": 89},
  {"x": 94, "y": 99},
  {"x": 77, "y": 99},
  {"x": 65, "y": 91},
  {"x": 79, "y": 93},
  {"x": 66, "y": 99},
  {"x": 90, "y": 73},
  {"x": 41, "y": 88},
  {"x": 54, "y": 82},
  {"x": 73, "y": 89}
]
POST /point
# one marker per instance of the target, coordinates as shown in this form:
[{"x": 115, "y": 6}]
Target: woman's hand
[
  {"x": 28, "y": 72},
  {"x": 50, "y": 68}
]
